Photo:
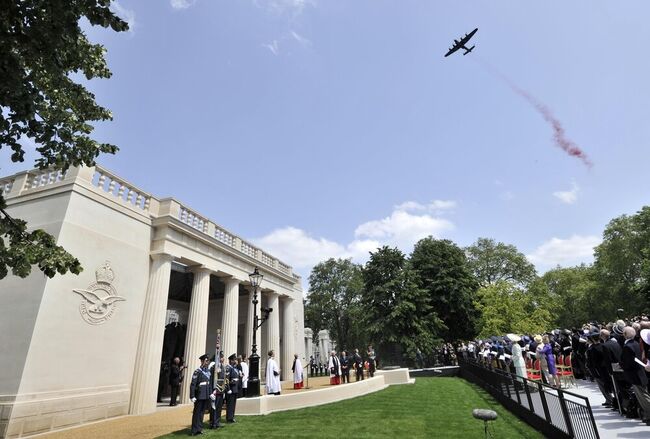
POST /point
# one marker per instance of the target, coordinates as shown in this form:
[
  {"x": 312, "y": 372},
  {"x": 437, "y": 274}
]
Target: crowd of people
[
  {"x": 341, "y": 366},
  {"x": 614, "y": 355}
]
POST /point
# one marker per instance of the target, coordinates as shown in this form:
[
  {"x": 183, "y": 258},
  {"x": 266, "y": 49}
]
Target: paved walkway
[
  {"x": 610, "y": 423},
  {"x": 164, "y": 421}
]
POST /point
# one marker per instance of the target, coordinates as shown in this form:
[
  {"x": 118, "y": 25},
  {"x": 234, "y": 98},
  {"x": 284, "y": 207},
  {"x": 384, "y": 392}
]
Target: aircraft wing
[{"x": 452, "y": 50}]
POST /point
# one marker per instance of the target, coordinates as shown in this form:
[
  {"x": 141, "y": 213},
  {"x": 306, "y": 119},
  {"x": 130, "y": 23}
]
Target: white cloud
[
  {"x": 291, "y": 7},
  {"x": 296, "y": 247},
  {"x": 401, "y": 229},
  {"x": 507, "y": 195},
  {"x": 273, "y": 47},
  {"x": 571, "y": 251},
  {"x": 436, "y": 206},
  {"x": 127, "y": 15},
  {"x": 568, "y": 197},
  {"x": 181, "y": 4},
  {"x": 304, "y": 42}
]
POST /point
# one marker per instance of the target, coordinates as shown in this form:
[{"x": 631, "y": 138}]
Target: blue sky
[{"x": 325, "y": 128}]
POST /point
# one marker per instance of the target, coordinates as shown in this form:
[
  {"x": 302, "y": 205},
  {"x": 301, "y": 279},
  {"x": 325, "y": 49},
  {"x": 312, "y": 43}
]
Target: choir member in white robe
[
  {"x": 244, "y": 370},
  {"x": 297, "y": 372},
  {"x": 272, "y": 376},
  {"x": 334, "y": 366}
]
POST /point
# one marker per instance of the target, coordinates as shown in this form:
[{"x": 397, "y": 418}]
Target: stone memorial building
[{"x": 159, "y": 281}]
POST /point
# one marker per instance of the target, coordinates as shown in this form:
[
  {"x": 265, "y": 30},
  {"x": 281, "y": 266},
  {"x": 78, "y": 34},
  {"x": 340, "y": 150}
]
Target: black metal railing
[{"x": 554, "y": 412}]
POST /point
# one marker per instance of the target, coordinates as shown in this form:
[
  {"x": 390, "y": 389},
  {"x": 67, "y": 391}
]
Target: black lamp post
[{"x": 254, "y": 375}]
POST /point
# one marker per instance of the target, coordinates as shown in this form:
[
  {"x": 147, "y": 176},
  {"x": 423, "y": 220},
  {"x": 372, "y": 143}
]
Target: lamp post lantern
[{"x": 254, "y": 376}]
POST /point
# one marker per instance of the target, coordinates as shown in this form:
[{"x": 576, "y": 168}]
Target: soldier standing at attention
[
  {"x": 234, "y": 375},
  {"x": 220, "y": 386},
  {"x": 200, "y": 394}
]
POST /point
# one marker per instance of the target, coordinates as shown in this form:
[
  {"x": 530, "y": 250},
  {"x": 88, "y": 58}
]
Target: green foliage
[
  {"x": 492, "y": 262},
  {"x": 397, "y": 313},
  {"x": 441, "y": 269},
  {"x": 506, "y": 308},
  {"x": 333, "y": 302},
  {"x": 571, "y": 290},
  {"x": 622, "y": 264},
  {"x": 42, "y": 45}
]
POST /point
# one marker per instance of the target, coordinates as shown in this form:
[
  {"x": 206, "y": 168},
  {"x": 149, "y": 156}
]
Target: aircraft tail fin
[{"x": 468, "y": 50}]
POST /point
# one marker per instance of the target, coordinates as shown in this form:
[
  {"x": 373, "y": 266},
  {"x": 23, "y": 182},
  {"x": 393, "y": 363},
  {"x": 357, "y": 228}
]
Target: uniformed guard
[
  {"x": 234, "y": 375},
  {"x": 219, "y": 388},
  {"x": 200, "y": 394}
]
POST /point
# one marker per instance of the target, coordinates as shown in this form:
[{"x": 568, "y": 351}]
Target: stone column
[
  {"x": 197, "y": 327},
  {"x": 248, "y": 341},
  {"x": 288, "y": 342},
  {"x": 144, "y": 387},
  {"x": 230, "y": 317},
  {"x": 273, "y": 328},
  {"x": 309, "y": 340}
]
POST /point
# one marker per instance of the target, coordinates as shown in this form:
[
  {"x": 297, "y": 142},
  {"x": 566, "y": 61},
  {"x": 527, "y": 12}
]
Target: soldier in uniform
[
  {"x": 220, "y": 387},
  {"x": 200, "y": 394},
  {"x": 234, "y": 375}
]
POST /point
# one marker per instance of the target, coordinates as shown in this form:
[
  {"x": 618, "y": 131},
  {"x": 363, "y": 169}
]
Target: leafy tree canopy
[
  {"x": 333, "y": 302},
  {"x": 397, "y": 315},
  {"x": 442, "y": 270},
  {"x": 506, "y": 308},
  {"x": 41, "y": 46},
  {"x": 622, "y": 264},
  {"x": 492, "y": 262}
]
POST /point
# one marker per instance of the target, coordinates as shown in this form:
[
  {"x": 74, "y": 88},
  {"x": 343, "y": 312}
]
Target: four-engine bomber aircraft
[{"x": 461, "y": 44}]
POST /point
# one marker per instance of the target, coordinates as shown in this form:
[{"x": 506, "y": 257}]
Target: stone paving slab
[{"x": 610, "y": 423}]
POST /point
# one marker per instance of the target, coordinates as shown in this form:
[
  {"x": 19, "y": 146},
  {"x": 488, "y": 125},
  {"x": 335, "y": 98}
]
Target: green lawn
[{"x": 432, "y": 408}]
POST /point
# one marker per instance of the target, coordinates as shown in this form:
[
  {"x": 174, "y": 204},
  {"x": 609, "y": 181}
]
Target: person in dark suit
[
  {"x": 175, "y": 379},
  {"x": 345, "y": 368},
  {"x": 220, "y": 387},
  {"x": 358, "y": 365},
  {"x": 634, "y": 373},
  {"x": 200, "y": 394},
  {"x": 234, "y": 375}
]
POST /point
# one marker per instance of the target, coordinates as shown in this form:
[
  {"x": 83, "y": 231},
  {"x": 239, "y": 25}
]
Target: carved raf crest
[{"x": 100, "y": 297}]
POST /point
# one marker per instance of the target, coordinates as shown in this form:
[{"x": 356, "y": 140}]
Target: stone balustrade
[
  {"x": 193, "y": 219},
  {"x": 6, "y": 184},
  {"x": 38, "y": 178},
  {"x": 222, "y": 235},
  {"x": 112, "y": 185}
]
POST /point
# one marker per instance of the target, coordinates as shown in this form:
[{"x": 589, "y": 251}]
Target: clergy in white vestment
[
  {"x": 244, "y": 370},
  {"x": 272, "y": 376},
  {"x": 334, "y": 366},
  {"x": 297, "y": 372}
]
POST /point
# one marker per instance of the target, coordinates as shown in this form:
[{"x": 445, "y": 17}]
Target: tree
[
  {"x": 397, "y": 314},
  {"x": 506, "y": 308},
  {"x": 622, "y": 264},
  {"x": 493, "y": 262},
  {"x": 441, "y": 269},
  {"x": 571, "y": 289},
  {"x": 41, "y": 46},
  {"x": 333, "y": 301}
]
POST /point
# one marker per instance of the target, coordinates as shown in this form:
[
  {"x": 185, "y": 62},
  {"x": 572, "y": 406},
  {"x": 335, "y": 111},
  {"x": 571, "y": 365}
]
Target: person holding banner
[
  {"x": 297, "y": 373},
  {"x": 219, "y": 386}
]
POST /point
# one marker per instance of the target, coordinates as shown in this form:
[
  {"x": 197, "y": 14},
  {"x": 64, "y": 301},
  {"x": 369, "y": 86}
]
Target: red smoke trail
[{"x": 558, "y": 130}]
